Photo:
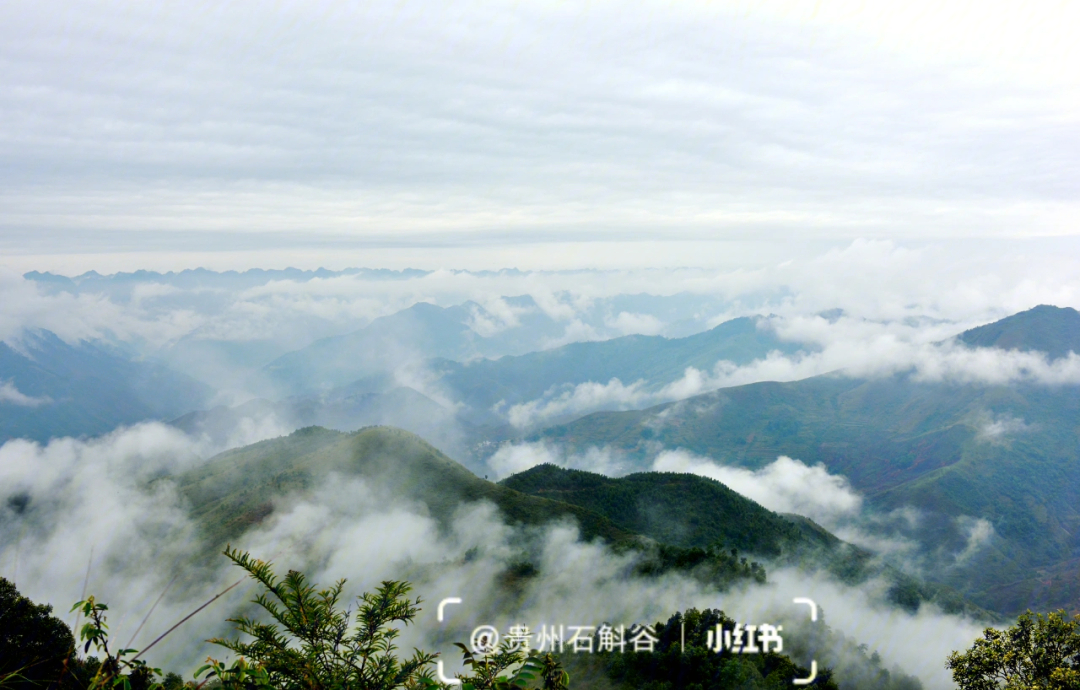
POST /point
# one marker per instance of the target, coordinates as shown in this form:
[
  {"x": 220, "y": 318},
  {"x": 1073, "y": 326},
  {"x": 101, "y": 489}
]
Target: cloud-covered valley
[{"x": 103, "y": 515}]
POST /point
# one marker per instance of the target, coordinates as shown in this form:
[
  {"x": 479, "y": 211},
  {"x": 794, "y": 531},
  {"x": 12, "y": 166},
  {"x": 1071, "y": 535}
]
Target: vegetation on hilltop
[
  {"x": 678, "y": 509},
  {"x": 652, "y": 513},
  {"x": 694, "y": 517},
  {"x": 238, "y": 489},
  {"x": 1045, "y": 328}
]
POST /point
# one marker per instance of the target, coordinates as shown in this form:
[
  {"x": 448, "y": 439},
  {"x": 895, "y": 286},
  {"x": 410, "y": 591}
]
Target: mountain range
[
  {"x": 954, "y": 452},
  {"x": 993, "y": 461},
  {"x": 51, "y": 388}
]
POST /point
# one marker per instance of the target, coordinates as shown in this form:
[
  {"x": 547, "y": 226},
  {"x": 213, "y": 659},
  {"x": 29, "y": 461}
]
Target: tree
[
  {"x": 670, "y": 665},
  {"x": 34, "y": 646},
  {"x": 116, "y": 671},
  {"x": 313, "y": 645},
  {"x": 1039, "y": 652},
  {"x": 509, "y": 668}
]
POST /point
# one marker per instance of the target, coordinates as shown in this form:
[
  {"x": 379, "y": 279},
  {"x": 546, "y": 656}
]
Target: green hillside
[
  {"x": 1049, "y": 329},
  {"x": 679, "y": 509},
  {"x": 955, "y": 452},
  {"x": 1006, "y": 454},
  {"x": 236, "y": 489},
  {"x": 693, "y": 513},
  {"x": 675, "y": 521}
]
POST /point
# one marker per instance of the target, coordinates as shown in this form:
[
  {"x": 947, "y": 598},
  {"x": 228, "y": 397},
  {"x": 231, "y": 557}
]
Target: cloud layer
[{"x": 139, "y": 129}]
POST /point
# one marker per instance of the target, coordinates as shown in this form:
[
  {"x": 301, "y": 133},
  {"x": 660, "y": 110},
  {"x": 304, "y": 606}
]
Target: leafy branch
[{"x": 115, "y": 670}]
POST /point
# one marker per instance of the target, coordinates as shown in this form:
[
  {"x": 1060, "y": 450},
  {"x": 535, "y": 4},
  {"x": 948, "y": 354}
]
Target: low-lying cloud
[
  {"x": 512, "y": 458},
  {"x": 788, "y": 485},
  {"x": 564, "y": 401},
  {"x": 784, "y": 485},
  {"x": 865, "y": 351},
  {"x": 1000, "y": 427},
  {"x": 68, "y": 499},
  {"x": 13, "y": 396}
]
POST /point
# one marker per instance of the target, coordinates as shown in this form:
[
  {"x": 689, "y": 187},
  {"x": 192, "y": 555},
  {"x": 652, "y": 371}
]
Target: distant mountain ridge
[
  {"x": 655, "y": 360},
  {"x": 421, "y": 331},
  {"x": 85, "y": 389},
  {"x": 1045, "y": 328},
  {"x": 680, "y": 509},
  {"x": 953, "y": 451}
]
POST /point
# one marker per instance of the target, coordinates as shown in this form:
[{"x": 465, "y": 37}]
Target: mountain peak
[{"x": 1045, "y": 328}]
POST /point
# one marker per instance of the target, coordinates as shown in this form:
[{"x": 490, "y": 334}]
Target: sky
[
  {"x": 487, "y": 134},
  {"x": 903, "y": 161}
]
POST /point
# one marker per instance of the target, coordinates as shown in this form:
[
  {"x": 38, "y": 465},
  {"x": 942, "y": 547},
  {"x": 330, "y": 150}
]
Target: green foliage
[
  {"x": 1038, "y": 653},
  {"x": 678, "y": 509},
  {"x": 172, "y": 681},
  {"x": 716, "y": 565},
  {"x": 34, "y": 646},
  {"x": 670, "y": 666},
  {"x": 120, "y": 670},
  {"x": 510, "y": 668},
  {"x": 313, "y": 644}
]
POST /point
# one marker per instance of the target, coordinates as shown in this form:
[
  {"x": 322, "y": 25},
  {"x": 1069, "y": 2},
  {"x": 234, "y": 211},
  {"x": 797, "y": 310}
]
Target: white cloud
[
  {"x": 512, "y": 458},
  {"x": 784, "y": 485},
  {"x": 93, "y": 494},
  {"x": 628, "y": 323},
  {"x": 871, "y": 351},
  {"x": 1002, "y": 426},
  {"x": 978, "y": 533},
  {"x": 583, "y": 397},
  {"x": 11, "y": 395}
]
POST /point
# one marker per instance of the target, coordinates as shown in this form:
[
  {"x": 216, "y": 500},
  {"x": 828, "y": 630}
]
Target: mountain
[
  {"x": 1049, "y": 329},
  {"x": 237, "y": 489},
  {"x": 343, "y": 409},
  {"x": 693, "y": 512},
  {"x": 51, "y": 388},
  {"x": 381, "y": 389},
  {"x": 955, "y": 453},
  {"x": 469, "y": 333},
  {"x": 654, "y": 360},
  {"x": 677, "y": 521},
  {"x": 121, "y": 283},
  {"x": 242, "y": 487},
  {"x": 419, "y": 332},
  {"x": 679, "y": 509}
]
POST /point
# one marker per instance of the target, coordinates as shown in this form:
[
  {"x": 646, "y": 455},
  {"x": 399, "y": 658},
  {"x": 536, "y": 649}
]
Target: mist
[{"x": 102, "y": 513}]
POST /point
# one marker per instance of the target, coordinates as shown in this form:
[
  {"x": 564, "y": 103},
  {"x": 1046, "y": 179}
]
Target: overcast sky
[{"x": 540, "y": 134}]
